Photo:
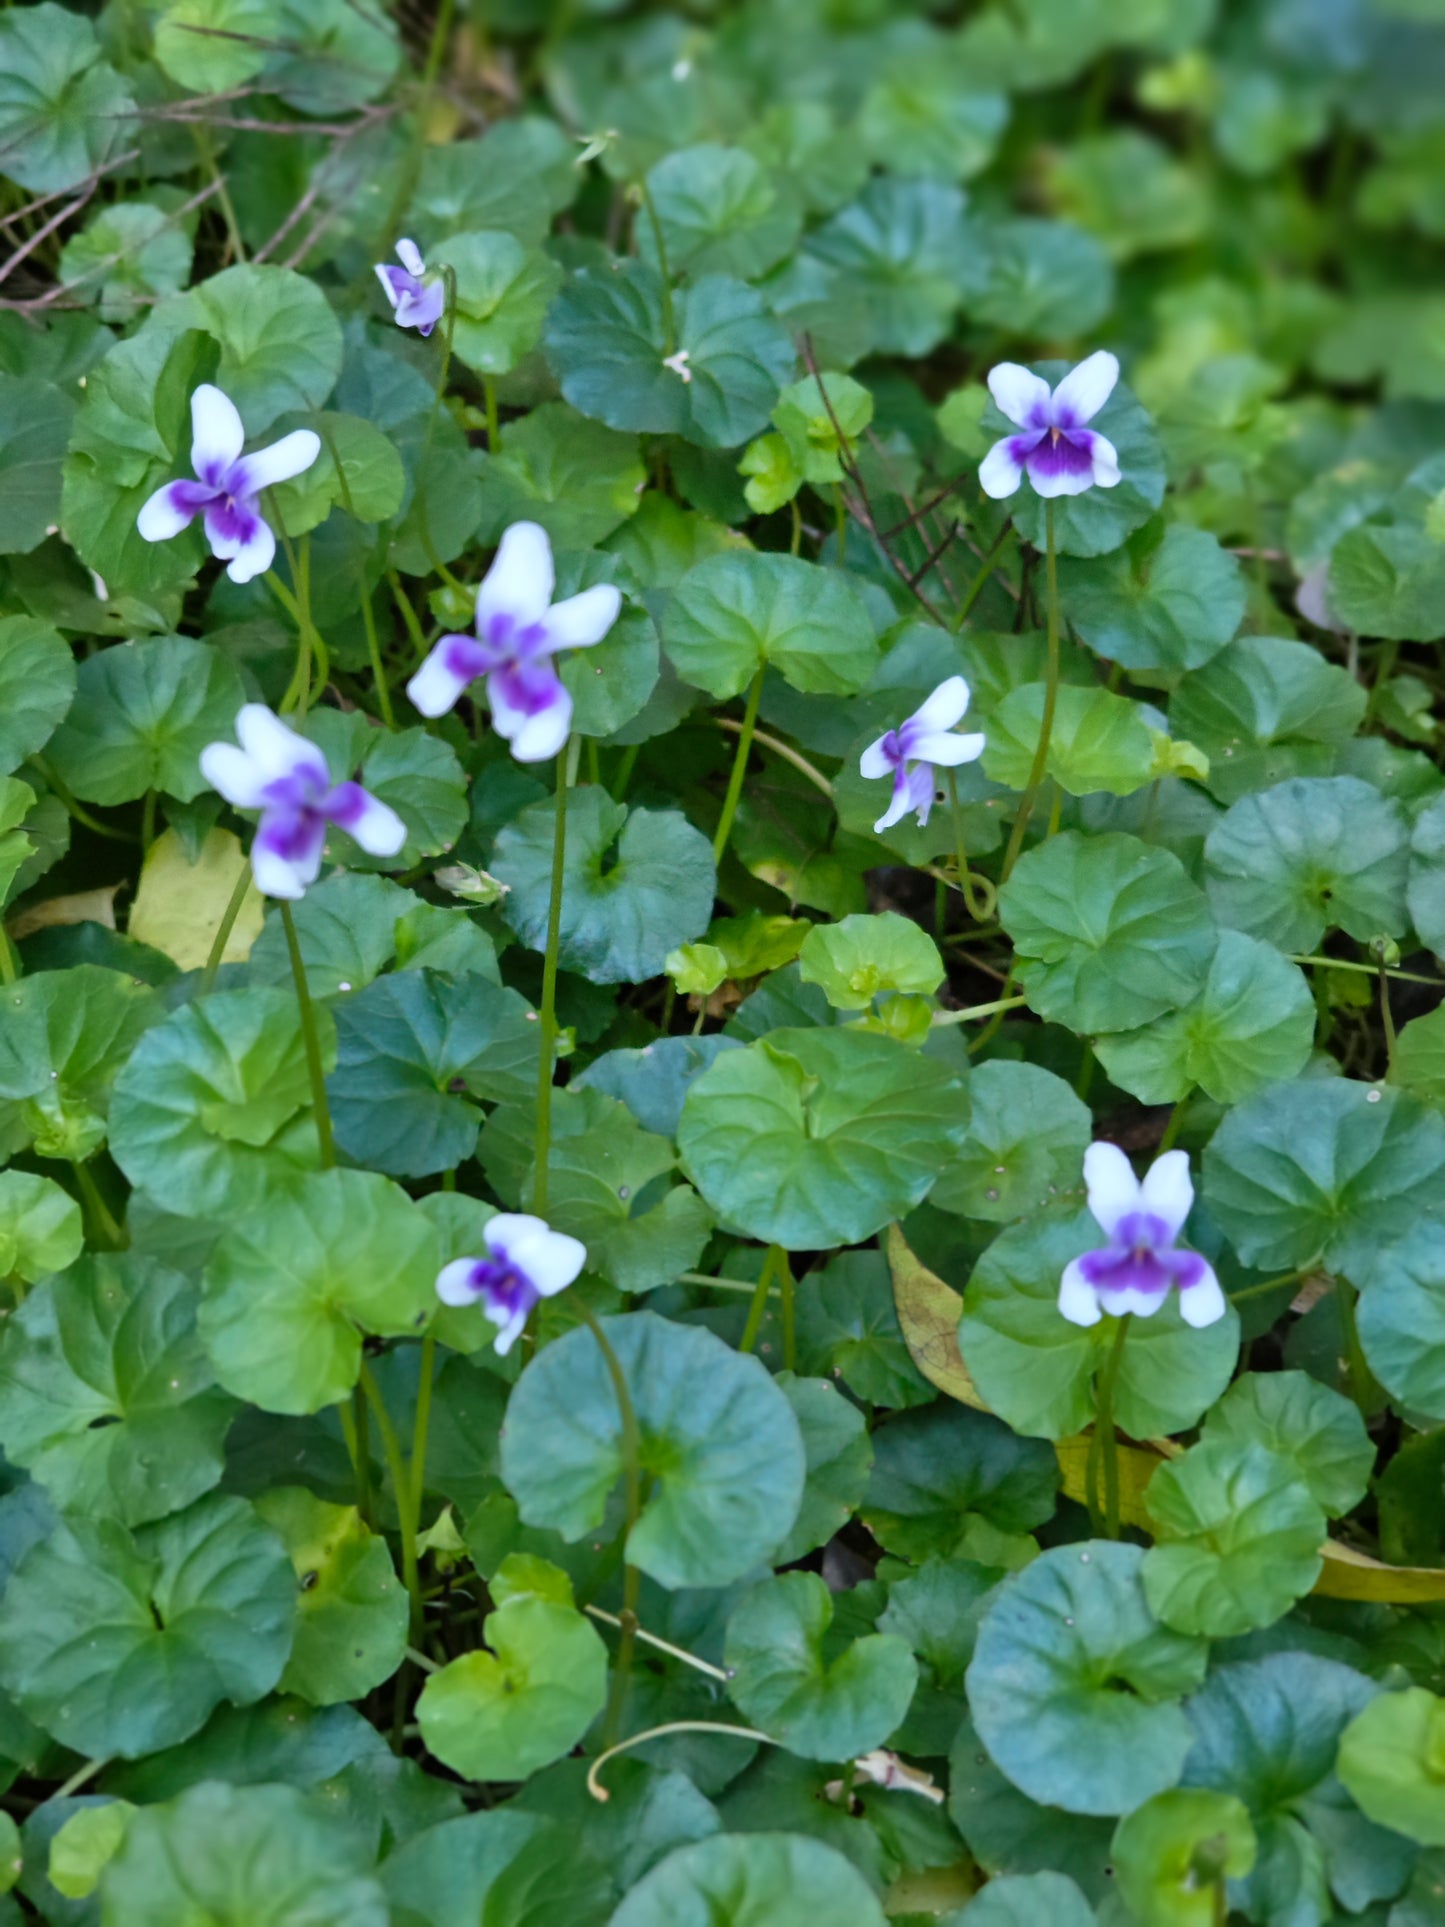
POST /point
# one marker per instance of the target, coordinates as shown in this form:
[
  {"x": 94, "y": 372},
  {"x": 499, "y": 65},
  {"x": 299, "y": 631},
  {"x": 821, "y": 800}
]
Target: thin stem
[
  {"x": 1051, "y": 697},
  {"x": 148, "y": 822},
  {"x": 1266, "y": 1284},
  {"x": 1370, "y": 970},
  {"x": 796, "y": 541},
  {"x": 420, "y": 1428},
  {"x": 494, "y": 424},
  {"x": 408, "y": 614},
  {"x": 1362, "y": 1379},
  {"x": 669, "y": 319},
  {"x": 101, "y": 1227},
  {"x": 663, "y": 1645},
  {"x": 77, "y": 810},
  {"x": 986, "y": 569},
  {"x": 980, "y": 906},
  {"x": 82, "y": 1776},
  {"x": 631, "y": 1453},
  {"x": 373, "y": 649},
  {"x": 623, "y": 774},
  {"x": 402, "y": 1490},
  {"x": 228, "y": 213},
  {"x": 1176, "y": 1120},
  {"x": 1220, "y": 1897},
  {"x": 225, "y": 927},
  {"x": 1387, "y": 1020},
  {"x": 311, "y": 1040},
  {"x": 9, "y": 959},
  {"x": 740, "y": 766},
  {"x": 779, "y": 748},
  {"x": 1104, "y": 1427},
  {"x": 547, "y": 1037},
  {"x": 840, "y": 520},
  {"x": 599, "y": 1792},
  {"x": 760, "y": 1299},
  {"x": 424, "y": 1660},
  {"x": 722, "y": 1284},
  {"x": 356, "y": 1430},
  {"x": 995, "y": 1023},
  {"x": 790, "y": 1338},
  {"x": 995, "y": 1009}
]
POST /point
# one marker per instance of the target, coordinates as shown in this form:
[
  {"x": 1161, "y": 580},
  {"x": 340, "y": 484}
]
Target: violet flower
[
  {"x": 519, "y": 630},
  {"x": 1135, "y": 1269},
  {"x": 926, "y": 739},
  {"x": 417, "y": 298},
  {"x": 283, "y": 776},
  {"x": 225, "y": 493},
  {"x": 1057, "y": 451},
  {"x": 526, "y": 1261}
]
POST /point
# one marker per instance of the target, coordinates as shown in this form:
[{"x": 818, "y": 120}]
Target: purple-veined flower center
[
  {"x": 512, "y": 639},
  {"x": 505, "y": 1288},
  {"x": 1140, "y": 1256},
  {"x": 894, "y": 748}
]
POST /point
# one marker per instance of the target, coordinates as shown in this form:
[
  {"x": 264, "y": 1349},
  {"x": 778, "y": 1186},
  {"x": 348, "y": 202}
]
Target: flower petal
[
  {"x": 1167, "y": 1191},
  {"x": 1084, "y": 390},
  {"x": 292, "y": 455},
  {"x": 1203, "y": 1303},
  {"x": 252, "y": 555},
  {"x": 231, "y": 773},
  {"x": 531, "y": 708},
  {"x": 422, "y": 308},
  {"x": 1000, "y": 471},
  {"x": 453, "y": 663},
  {"x": 374, "y": 824},
  {"x": 1022, "y": 395},
  {"x": 520, "y": 580},
  {"x": 394, "y": 282},
  {"x": 170, "y": 510},
  {"x": 1118, "y": 1300},
  {"x": 511, "y": 1331},
  {"x": 455, "y": 1284},
  {"x": 1113, "y": 1188},
  {"x": 944, "y": 708},
  {"x": 550, "y": 1259},
  {"x": 1106, "y": 461},
  {"x": 1049, "y": 483},
  {"x": 949, "y": 749},
  {"x": 409, "y": 255},
  {"x": 583, "y": 619},
  {"x": 273, "y": 748},
  {"x": 286, "y": 864},
  {"x": 217, "y": 436},
  {"x": 1078, "y": 1301},
  {"x": 875, "y": 760}
]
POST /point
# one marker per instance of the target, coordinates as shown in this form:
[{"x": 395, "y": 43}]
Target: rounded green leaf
[
  {"x": 502, "y": 292},
  {"x": 1026, "y": 1900},
  {"x": 62, "y": 108},
  {"x": 855, "y": 959},
  {"x": 1170, "y": 1853},
  {"x": 835, "y": 1439},
  {"x": 1040, "y": 278},
  {"x": 720, "y": 213},
  {"x": 1322, "y": 1167},
  {"x": 1401, "y": 1318},
  {"x": 290, "y": 1291},
  {"x": 210, "y": 46},
  {"x": 358, "y": 470},
  {"x": 941, "y": 1472},
  {"x": 1392, "y": 1763},
  {"x": 1024, "y": 1147},
  {"x": 106, "y": 1396},
  {"x": 812, "y": 1139},
  {"x": 352, "y": 1614},
  {"x": 1169, "y": 600},
  {"x": 848, "y": 1326},
  {"x": 1425, "y": 892},
  {"x": 40, "y": 1226},
  {"x": 346, "y": 927},
  {"x": 1239, "y": 1538},
  {"x": 66, "y": 1034},
  {"x": 35, "y": 423},
  {"x": 1319, "y": 1430},
  {"x": 823, "y": 1699},
  {"x": 733, "y": 615},
  {"x": 1075, "y": 1687},
  {"x": 719, "y": 1441},
  {"x": 637, "y": 883},
  {"x": 241, "y": 1856},
  {"x": 899, "y": 251},
  {"x": 280, "y": 341},
  {"x": 1261, "y": 702},
  {"x": 578, "y": 479},
  {"x": 120, "y": 1643},
  {"x": 752, "y": 1880},
  {"x": 611, "y": 682},
  {"x": 1110, "y": 932},
  {"x": 505, "y": 1714},
  {"x": 1098, "y": 742},
  {"x": 126, "y": 258}
]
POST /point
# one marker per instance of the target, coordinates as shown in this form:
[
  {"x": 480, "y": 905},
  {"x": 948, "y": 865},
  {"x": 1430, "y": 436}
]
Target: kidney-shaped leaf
[
  {"x": 752, "y": 1880},
  {"x": 733, "y": 615}
]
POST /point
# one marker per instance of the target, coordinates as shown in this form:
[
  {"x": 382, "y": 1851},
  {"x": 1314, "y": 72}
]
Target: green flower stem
[
  {"x": 1266, "y": 1284},
  {"x": 73, "y": 808},
  {"x": 1363, "y": 1388},
  {"x": 101, "y": 1229},
  {"x": 760, "y": 1298},
  {"x": 148, "y": 822},
  {"x": 373, "y": 650},
  {"x": 995, "y": 1009},
  {"x": 796, "y": 541},
  {"x": 599, "y": 1792},
  {"x": 312, "y": 1041},
  {"x": 740, "y": 766},
  {"x": 401, "y": 1483},
  {"x": 986, "y": 568},
  {"x": 1387, "y": 1021},
  {"x": 622, "y": 776},
  {"x": 82, "y": 1776},
  {"x": 356, "y": 1430},
  {"x": 978, "y": 892},
  {"x": 840, "y": 520},
  {"x": 631, "y": 1453},
  {"x": 1371, "y": 970},
  {"x": 422, "y": 1425},
  {"x": 782, "y": 749},
  {"x": 1220, "y": 1895},
  {"x": 408, "y": 614},
  {"x": 547, "y": 1039},
  {"x": 1176, "y": 1120},
  {"x": 1051, "y": 697},
  {"x": 207, "y": 153},
  {"x": 790, "y": 1334},
  {"x": 1104, "y": 1446},
  {"x": 309, "y": 646},
  {"x": 669, "y": 318},
  {"x": 494, "y": 423},
  {"x": 9, "y": 959},
  {"x": 663, "y": 1645},
  {"x": 225, "y": 927}
]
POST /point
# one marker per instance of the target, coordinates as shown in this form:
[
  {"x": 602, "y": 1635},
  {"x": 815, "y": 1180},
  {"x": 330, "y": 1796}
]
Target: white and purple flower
[
  {"x": 1135, "y": 1270},
  {"x": 519, "y": 630},
  {"x": 910, "y": 753},
  {"x": 227, "y": 486},
  {"x": 1056, "y": 449},
  {"x": 417, "y": 298},
  {"x": 526, "y": 1261},
  {"x": 283, "y": 776}
]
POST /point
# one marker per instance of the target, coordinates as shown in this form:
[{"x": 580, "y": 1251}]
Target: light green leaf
[
  {"x": 351, "y": 1625},
  {"x": 1025, "y": 1144},
  {"x": 735, "y": 614},
  {"x": 752, "y": 1880},
  {"x": 856, "y": 959},
  {"x": 1392, "y": 1762},
  {"x": 581, "y": 481}
]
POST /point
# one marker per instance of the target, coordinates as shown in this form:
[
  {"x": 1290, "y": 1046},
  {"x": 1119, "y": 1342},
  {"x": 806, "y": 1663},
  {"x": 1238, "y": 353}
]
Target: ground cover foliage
[{"x": 631, "y": 1243}]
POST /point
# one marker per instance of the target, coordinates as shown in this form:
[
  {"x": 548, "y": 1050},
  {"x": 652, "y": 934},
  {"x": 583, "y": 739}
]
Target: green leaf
[
  {"x": 719, "y": 212},
  {"x": 1026, "y": 1899},
  {"x": 464, "y": 185},
  {"x": 923, "y": 117},
  {"x": 214, "y": 1105},
  {"x": 351, "y": 1624},
  {"x": 718, "y": 1438},
  {"x": 1040, "y": 278},
  {"x": 1075, "y": 1687},
  {"x": 1099, "y": 741},
  {"x": 290, "y": 1294},
  {"x": 811, "y": 1139},
  {"x": 1170, "y": 1853},
  {"x": 1239, "y": 1538},
  {"x": 35, "y": 421},
  {"x": 733, "y": 615},
  {"x": 346, "y": 929},
  {"x": 210, "y": 46},
  {"x": 141, "y": 717},
  {"x": 856, "y": 959},
  {"x": 1389, "y": 581},
  {"x": 637, "y": 883},
  {"x": 504, "y": 1714},
  {"x": 446, "y": 502},
  {"x": 654, "y": 1080},
  {"x": 121, "y": 1643},
  {"x": 1401, "y": 1316},
  {"x": 109, "y": 1401},
  {"x": 1169, "y": 600},
  {"x": 812, "y": 414},
  {"x": 63, "y": 109},
  {"x": 280, "y": 341},
  {"x": 609, "y": 346},
  {"x": 81, "y": 1849},
  {"x": 66, "y": 1034},
  {"x": 581, "y": 481},
  {"x": 1110, "y": 932},
  {"x": 848, "y": 1327},
  {"x": 228, "y": 1854},
  {"x": 1099, "y": 520},
  {"x": 1425, "y": 892},
  {"x": 824, "y": 1699},
  {"x": 403, "y": 1047},
  {"x": 358, "y": 470},
  {"x": 751, "y": 1880},
  {"x": 1252, "y": 1024},
  {"x": 40, "y": 1226},
  {"x": 938, "y": 1472},
  {"x": 126, "y": 258},
  {"x": 1289, "y": 863},
  {"x": 835, "y": 1439},
  {"x": 420, "y": 778},
  {"x": 1025, "y": 1144},
  {"x": 1264, "y": 709},
  {"x": 900, "y": 251},
  {"x": 1392, "y": 1763},
  {"x": 1321, "y": 1432},
  {"x": 502, "y": 292},
  {"x": 1322, "y": 1168},
  {"x": 1033, "y": 1367},
  {"x": 610, "y": 683}
]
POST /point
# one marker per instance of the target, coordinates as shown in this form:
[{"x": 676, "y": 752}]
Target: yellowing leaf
[{"x": 179, "y": 905}]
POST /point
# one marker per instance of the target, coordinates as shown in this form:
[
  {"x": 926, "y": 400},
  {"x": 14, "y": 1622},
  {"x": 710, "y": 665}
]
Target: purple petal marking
[
  {"x": 231, "y": 519},
  {"x": 345, "y": 805},
  {"x": 528, "y": 687},
  {"x": 400, "y": 282},
  {"x": 421, "y": 307},
  {"x": 1061, "y": 453},
  {"x": 1187, "y": 1266},
  {"x": 1117, "y": 1269},
  {"x": 465, "y": 659},
  {"x": 505, "y": 1289},
  {"x": 294, "y": 835},
  {"x": 920, "y": 791},
  {"x": 300, "y": 789},
  {"x": 190, "y": 498},
  {"x": 895, "y": 747}
]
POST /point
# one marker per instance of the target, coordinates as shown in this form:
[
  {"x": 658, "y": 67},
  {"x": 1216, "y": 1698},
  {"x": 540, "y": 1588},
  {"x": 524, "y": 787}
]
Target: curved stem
[
  {"x": 225, "y": 927},
  {"x": 631, "y": 1454},
  {"x": 995, "y": 1009},
  {"x": 663, "y": 1646},
  {"x": 740, "y": 766},
  {"x": 669, "y": 319},
  {"x": 1051, "y": 698},
  {"x": 760, "y": 1300},
  {"x": 779, "y": 748},
  {"x": 547, "y": 1029},
  {"x": 1104, "y": 1428},
  {"x": 1371, "y": 970},
  {"x": 599, "y": 1792},
  {"x": 402, "y": 1489},
  {"x": 1176, "y": 1119},
  {"x": 311, "y": 1040},
  {"x": 980, "y": 903}
]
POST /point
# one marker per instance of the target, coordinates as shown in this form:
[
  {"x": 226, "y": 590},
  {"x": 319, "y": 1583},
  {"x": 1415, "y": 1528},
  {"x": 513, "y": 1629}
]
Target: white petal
[
  {"x": 583, "y": 619},
  {"x": 504, "y": 1228},
  {"x": 292, "y": 455},
  {"x": 454, "y": 1282},
  {"x": 949, "y": 750},
  {"x": 276, "y": 876},
  {"x": 1113, "y": 1188},
  {"x": 1126, "y": 1299},
  {"x": 519, "y": 582},
  {"x": 999, "y": 474},
  {"x": 1078, "y": 1301},
  {"x": 1048, "y": 486},
  {"x": 510, "y": 1332},
  {"x": 274, "y": 749},
  {"x": 409, "y": 255},
  {"x": 944, "y": 707},
  {"x": 549, "y": 1258},
  {"x": 1106, "y": 461},
  {"x": 1085, "y": 389},
  {"x": 533, "y": 739},
  {"x": 1168, "y": 1191},
  {"x": 159, "y": 518},
  {"x": 1202, "y": 1303},
  {"x": 378, "y": 829},
  {"x": 231, "y": 773},
  {"x": 387, "y": 289},
  {"x": 435, "y": 687},
  {"x": 1018, "y": 393},
  {"x": 901, "y": 804},
  {"x": 874, "y": 760},
  {"x": 217, "y": 436}
]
